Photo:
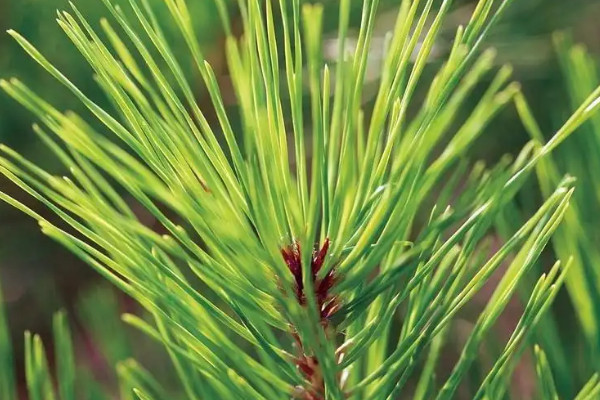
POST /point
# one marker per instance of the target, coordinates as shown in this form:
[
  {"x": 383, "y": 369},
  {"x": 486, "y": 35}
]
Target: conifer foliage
[{"x": 292, "y": 259}]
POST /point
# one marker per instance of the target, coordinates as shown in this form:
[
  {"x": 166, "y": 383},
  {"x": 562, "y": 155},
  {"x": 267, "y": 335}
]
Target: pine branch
[{"x": 286, "y": 248}]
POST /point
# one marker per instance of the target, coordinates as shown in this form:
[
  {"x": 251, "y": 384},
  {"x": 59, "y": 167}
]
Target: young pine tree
[{"x": 299, "y": 254}]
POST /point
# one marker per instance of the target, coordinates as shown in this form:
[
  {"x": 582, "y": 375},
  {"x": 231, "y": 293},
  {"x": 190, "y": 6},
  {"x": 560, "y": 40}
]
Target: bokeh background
[{"x": 38, "y": 277}]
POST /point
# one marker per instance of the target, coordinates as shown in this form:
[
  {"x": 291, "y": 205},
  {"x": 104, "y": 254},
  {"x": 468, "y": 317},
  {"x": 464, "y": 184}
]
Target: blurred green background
[{"x": 38, "y": 276}]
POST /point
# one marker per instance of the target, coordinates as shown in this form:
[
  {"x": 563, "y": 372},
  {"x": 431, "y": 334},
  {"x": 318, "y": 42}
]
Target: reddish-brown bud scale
[
  {"x": 292, "y": 256},
  {"x": 327, "y": 306}
]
